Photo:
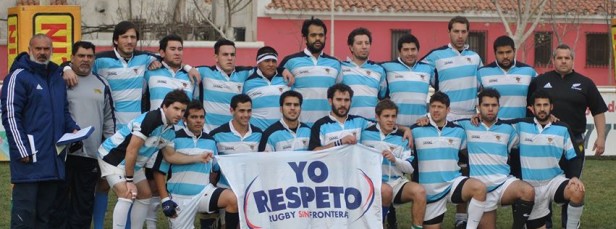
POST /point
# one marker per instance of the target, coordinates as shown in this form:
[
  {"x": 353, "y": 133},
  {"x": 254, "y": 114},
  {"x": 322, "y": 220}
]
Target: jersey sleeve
[
  {"x": 595, "y": 101},
  {"x": 315, "y": 136},
  {"x": 382, "y": 84}
]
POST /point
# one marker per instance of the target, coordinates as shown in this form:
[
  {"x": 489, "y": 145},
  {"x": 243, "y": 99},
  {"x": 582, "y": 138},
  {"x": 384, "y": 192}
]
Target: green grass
[{"x": 599, "y": 209}]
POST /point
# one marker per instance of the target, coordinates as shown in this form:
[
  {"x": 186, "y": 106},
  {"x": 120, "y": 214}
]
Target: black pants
[
  {"x": 75, "y": 202},
  {"x": 33, "y": 203}
]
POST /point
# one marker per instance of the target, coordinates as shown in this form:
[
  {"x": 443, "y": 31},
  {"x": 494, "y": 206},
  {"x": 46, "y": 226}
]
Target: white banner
[
  {"x": 609, "y": 96},
  {"x": 335, "y": 188}
]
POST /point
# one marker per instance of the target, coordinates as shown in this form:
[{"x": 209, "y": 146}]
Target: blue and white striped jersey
[
  {"x": 369, "y": 84},
  {"x": 541, "y": 148},
  {"x": 408, "y": 87},
  {"x": 218, "y": 89},
  {"x": 395, "y": 143},
  {"x": 279, "y": 137},
  {"x": 125, "y": 80},
  {"x": 162, "y": 81},
  {"x": 189, "y": 179},
  {"x": 229, "y": 141},
  {"x": 265, "y": 95},
  {"x": 436, "y": 152},
  {"x": 512, "y": 85},
  {"x": 312, "y": 79},
  {"x": 327, "y": 130},
  {"x": 152, "y": 127},
  {"x": 456, "y": 76},
  {"x": 488, "y": 151}
]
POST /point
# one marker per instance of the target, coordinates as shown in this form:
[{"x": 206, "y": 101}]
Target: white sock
[
  {"x": 150, "y": 219},
  {"x": 573, "y": 216},
  {"x": 475, "y": 212},
  {"x": 461, "y": 216},
  {"x": 120, "y": 213},
  {"x": 139, "y": 212}
]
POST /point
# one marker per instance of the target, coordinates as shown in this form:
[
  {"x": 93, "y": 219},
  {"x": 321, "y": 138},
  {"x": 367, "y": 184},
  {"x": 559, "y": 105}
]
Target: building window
[
  {"x": 240, "y": 33},
  {"x": 543, "y": 48},
  {"x": 477, "y": 43},
  {"x": 597, "y": 50},
  {"x": 395, "y": 35}
]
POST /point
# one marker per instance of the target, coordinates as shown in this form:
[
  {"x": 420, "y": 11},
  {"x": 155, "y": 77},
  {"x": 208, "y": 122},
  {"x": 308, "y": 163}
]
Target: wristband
[
  {"x": 187, "y": 68},
  {"x": 165, "y": 199},
  {"x": 66, "y": 68},
  {"x": 129, "y": 179}
]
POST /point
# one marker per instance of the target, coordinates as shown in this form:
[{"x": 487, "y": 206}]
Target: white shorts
[
  {"x": 493, "y": 198},
  {"x": 439, "y": 207},
  {"x": 396, "y": 186},
  {"x": 115, "y": 174},
  {"x": 544, "y": 195},
  {"x": 191, "y": 205}
]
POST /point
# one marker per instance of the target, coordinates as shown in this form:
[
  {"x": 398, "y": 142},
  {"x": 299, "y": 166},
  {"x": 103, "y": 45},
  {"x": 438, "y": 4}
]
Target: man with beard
[
  {"x": 365, "y": 77},
  {"x": 264, "y": 87},
  {"x": 314, "y": 71},
  {"x": 456, "y": 70},
  {"x": 408, "y": 81},
  {"x": 572, "y": 95},
  {"x": 288, "y": 134},
  {"x": 509, "y": 77},
  {"x": 542, "y": 144},
  {"x": 489, "y": 145},
  {"x": 35, "y": 116}
]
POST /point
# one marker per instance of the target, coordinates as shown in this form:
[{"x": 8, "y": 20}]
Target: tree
[{"x": 525, "y": 12}]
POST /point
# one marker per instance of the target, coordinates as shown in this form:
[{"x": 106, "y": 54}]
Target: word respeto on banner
[{"x": 335, "y": 188}]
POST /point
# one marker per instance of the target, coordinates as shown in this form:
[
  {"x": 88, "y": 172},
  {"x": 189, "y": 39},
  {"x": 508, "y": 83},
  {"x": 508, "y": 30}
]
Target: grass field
[{"x": 599, "y": 210}]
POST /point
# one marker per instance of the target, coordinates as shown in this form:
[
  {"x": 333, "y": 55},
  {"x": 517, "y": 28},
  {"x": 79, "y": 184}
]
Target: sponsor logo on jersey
[
  {"x": 576, "y": 86},
  {"x": 547, "y": 85}
]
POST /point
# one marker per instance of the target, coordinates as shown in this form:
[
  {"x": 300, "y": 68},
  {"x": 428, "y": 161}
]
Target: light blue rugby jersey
[
  {"x": 312, "y": 79},
  {"x": 265, "y": 95},
  {"x": 512, "y": 85},
  {"x": 488, "y": 151},
  {"x": 456, "y": 76},
  {"x": 125, "y": 81},
  {"x": 327, "y": 130},
  {"x": 152, "y": 127},
  {"x": 218, "y": 89},
  {"x": 279, "y": 137},
  {"x": 395, "y": 143},
  {"x": 541, "y": 148},
  {"x": 408, "y": 87},
  {"x": 189, "y": 179},
  {"x": 162, "y": 81},
  {"x": 229, "y": 141},
  {"x": 436, "y": 152},
  {"x": 368, "y": 83}
]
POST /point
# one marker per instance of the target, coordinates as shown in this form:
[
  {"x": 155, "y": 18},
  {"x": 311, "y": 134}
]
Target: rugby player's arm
[
  {"x": 177, "y": 158},
  {"x": 132, "y": 151}
]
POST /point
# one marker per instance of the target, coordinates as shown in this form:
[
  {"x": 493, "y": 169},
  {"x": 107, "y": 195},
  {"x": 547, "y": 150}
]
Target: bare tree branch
[{"x": 209, "y": 21}]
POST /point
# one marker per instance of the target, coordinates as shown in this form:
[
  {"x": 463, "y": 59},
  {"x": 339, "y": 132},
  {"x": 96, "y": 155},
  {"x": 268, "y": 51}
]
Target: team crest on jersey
[
  {"x": 239, "y": 88},
  {"x": 304, "y": 141},
  {"x": 280, "y": 89},
  {"x": 98, "y": 91},
  {"x": 327, "y": 70},
  {"x": 391, "y": 148},
  {"x": 422, "y": 77},
  {"x": 367, "y": 72},
  {"x": 498, "y": 138},
  {"x": 450, "y": 141},
  {"x": 252, "y": 147},
  {"x": 469, "y": 59},
  {"x": 136, "y": 70},
  {"x": 517, "y": 79},
  {"x": 550, "y": 140},
  {"x": 185, "y": 85},
  {"x": 160, "y": 142}
]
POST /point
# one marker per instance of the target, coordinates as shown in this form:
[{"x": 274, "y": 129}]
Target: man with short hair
[
  {"x": 509, "y": 77},
  {"x": 35, "y": 115},
  {"x": 314, "y": 70},
  {"x": 408, "y": 81},
  {"x": 188, "y": 189},
  {"x": 264, "y": 87},
  {"x": 123, "y": 155},
  {"x": 542, "y": 145},
  {"x": 170, "y": 76},
  {"x": 288, "y": 134},
  {"x": 437, "y": 149},
  {"x": 456, "y": 70},
  {"x": 366, "y": 78},
  {"x": 397, "y": 159},
  {"x": 489, "y": 146},
  {"x": 90, "y": 104},
  {"x": 572, "y": 95}
]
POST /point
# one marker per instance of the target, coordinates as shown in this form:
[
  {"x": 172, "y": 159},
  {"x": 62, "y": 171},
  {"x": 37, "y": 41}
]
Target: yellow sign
[
  {"x": 614, "y": 44},
  {"x": 12, "y": 44},
  {"x": 59, "y": 27}
]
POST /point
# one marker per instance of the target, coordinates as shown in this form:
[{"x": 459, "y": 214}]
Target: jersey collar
[
  {"x": 237, "y": 133},
  {"x": 539, "y": 126},
  {"x": 466, "y": 46},
  {"x": 115, "y": 50}
]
